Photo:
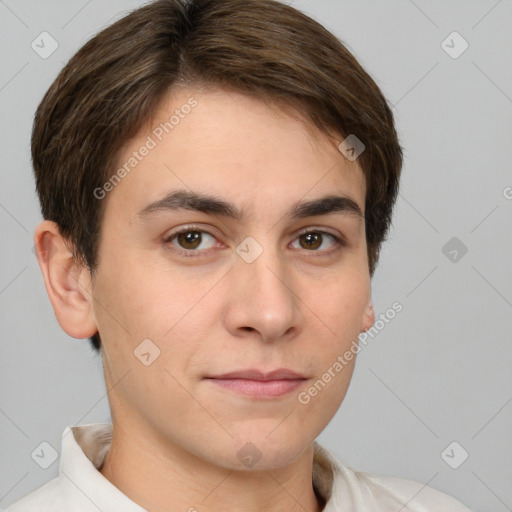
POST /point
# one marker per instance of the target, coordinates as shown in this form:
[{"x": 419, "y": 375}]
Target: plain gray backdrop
[{"x": 434, "y": 386}]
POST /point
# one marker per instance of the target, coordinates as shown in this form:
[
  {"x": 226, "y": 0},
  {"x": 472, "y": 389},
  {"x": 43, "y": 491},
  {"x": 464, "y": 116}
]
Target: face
[{"x": 198, "y": 302}]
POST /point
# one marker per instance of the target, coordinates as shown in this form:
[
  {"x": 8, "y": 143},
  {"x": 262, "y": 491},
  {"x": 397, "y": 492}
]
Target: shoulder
[
  {"x": 413, "y": 496},
  {"x": 47, "y": 498},
  {"x": 354, "y": 490}
]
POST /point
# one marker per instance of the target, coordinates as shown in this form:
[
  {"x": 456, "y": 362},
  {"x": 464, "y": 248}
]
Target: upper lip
[{"x": 252, "y": 374}]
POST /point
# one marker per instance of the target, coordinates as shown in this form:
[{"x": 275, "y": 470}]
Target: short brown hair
[{"x": 114, "y": 84}]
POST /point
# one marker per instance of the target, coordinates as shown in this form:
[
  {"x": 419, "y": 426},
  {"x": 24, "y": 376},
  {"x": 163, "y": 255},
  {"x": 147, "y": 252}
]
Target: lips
[
  {"x": 279, "y": 374},
  {"x": 259, "y": 384}
]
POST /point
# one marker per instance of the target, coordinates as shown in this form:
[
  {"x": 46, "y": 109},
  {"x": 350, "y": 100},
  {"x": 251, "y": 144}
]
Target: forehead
[{"x": 232, "y": 146}]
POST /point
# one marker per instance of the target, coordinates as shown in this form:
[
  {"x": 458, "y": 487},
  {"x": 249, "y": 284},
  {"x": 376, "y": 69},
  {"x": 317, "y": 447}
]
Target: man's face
[{"x": 213, "y": 301}]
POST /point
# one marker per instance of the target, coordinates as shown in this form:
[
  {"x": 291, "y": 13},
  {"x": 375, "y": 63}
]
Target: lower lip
[{"x": 260, "y": 388}]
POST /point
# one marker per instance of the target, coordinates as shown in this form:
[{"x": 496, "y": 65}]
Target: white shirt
[{"x": 80, "y": 487}]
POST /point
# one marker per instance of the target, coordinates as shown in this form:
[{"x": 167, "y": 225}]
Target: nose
[{"x": 262, "y": 300}]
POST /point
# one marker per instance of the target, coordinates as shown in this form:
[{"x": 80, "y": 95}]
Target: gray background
[{"x": 440, "y": 371}]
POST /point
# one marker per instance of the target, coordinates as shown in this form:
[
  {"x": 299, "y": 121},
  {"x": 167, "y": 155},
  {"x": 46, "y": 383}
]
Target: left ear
[{"x": 368, "y": 317}]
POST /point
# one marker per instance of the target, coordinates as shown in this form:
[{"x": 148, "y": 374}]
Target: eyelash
[{"x": 340, "y": 243}]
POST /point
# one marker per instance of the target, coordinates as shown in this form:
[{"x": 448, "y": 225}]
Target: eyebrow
[{"x": 187, "y": 200}]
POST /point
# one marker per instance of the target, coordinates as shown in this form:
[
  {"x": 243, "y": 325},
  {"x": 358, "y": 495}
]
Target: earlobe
[
  {"x": 368, "y": 317},
  {"x": 67, "y": 282}
]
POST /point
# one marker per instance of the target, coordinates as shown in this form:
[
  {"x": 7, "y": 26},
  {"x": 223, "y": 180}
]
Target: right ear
[
  {"x": 368, "y": 317},
  {"x": 67, "y": 282}
]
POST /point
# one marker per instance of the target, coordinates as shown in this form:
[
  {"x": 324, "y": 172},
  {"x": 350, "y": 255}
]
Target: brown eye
[
  {"x": 189, "y": 239},
  {"x": 192, "y": 240},
  {"x": 312, "y": 240}
]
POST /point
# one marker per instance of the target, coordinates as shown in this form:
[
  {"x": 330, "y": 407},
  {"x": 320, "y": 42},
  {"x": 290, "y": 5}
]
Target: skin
[{"x": 176, "y": 434}]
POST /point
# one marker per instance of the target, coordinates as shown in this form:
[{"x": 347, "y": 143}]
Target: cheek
[
  {"x": 135, "y": 295},
  {"x": 341, "y": 308},
  {"x": 343, "y": 301},
  {"x": 323, "y": 397}
]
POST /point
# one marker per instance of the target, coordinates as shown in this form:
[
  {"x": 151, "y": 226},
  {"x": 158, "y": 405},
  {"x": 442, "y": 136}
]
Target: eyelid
[
  {"x": 187, "y": 228},
  {"x": 319, "y": 229}
]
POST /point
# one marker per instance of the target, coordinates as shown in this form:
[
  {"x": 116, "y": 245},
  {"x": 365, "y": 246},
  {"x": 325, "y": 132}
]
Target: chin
[{"x": 266, "y": 450}]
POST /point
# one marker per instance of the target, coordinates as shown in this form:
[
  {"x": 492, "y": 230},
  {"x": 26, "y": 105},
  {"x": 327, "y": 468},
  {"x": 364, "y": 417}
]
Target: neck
[{"x": 172, "y": 480}]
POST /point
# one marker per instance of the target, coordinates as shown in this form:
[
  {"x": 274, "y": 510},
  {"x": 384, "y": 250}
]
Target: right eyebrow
[{"x": 185, "y": 200}]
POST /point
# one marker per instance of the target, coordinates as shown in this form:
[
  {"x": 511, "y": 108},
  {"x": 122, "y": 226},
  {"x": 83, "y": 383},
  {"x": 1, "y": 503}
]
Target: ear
[
  {"x": 67, "y": 282},
  {"x": 368, "y": 317}
]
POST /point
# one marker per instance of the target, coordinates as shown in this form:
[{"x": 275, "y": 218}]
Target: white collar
[
  {"x": 81, "y": 487},
  {"x": 83, "y": 449}
]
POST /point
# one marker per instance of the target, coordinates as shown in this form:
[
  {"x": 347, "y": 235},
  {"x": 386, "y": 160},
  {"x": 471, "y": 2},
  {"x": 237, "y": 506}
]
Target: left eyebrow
[
  {"x": 324, "y": 206},
  {"x": 187, "y": 200}
]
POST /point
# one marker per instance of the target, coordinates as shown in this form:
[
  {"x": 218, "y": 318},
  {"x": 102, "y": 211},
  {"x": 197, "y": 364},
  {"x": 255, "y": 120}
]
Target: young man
[{"x": 216, "y": 179}]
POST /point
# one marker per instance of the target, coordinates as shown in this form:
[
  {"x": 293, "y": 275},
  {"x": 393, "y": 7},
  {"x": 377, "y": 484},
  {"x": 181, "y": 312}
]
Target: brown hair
[{"x": 113, "y": 85}]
